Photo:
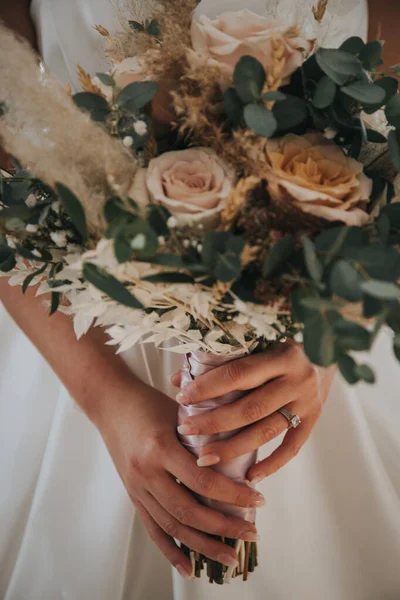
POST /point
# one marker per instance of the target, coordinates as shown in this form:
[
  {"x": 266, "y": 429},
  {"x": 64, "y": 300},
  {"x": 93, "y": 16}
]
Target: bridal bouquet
[{"x": 224, "y": 185}]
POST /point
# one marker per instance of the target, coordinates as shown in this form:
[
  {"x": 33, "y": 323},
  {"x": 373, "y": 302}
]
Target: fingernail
[
  {"x": 228, "y": 560},
  {"x": 258, "y": 500},
  {"x": 175, "y": 375},
  {"x": 181, "y": 398},
  {"x": 249, "y": 536},
  {"x": 183, "y": 573},
  {"x": 187, "y": 430},
  {"x": 208, "y": 460},
  {"x": 257, "y": 480}
]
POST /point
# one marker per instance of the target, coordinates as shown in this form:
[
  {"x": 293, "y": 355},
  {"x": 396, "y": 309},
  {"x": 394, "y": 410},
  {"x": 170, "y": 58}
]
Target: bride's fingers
[
  {"x": 165, "y": 542},
  {"x": 207, "y": 482},
  {"x": 197, "y": 541},
  {"x": 292, "y": 443},
  {"x": 176, "y": 379},
  {"x": 256, "y": 405},
  {"x": 249, "y": 439},
  {"x": 183, "y": 507}
]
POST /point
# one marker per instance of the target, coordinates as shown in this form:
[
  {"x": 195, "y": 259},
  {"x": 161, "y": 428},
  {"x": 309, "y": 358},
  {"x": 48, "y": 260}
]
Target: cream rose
[
  {"x": 314, "y": 174},
  {"x": 223, "y": 41},
  {"x": 192, "y": 184}
]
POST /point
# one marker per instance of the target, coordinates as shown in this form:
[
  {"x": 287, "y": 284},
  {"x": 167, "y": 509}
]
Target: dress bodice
[{"x": 66, "y": 35}]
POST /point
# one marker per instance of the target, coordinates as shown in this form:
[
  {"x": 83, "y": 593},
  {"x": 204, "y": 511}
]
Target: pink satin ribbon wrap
[{"x": 194, "y": 365}]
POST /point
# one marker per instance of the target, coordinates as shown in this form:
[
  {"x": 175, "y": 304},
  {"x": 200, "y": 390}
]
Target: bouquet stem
[
  {"x": 218, "y": 573},
  {"x": 196, "y": 364}
]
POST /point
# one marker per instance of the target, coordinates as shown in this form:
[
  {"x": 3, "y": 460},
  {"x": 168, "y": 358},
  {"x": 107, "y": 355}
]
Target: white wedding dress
[{"x": 331, "y": 526}]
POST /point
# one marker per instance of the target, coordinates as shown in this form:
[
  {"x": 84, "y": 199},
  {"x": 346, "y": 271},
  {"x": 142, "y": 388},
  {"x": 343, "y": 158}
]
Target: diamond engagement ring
[{"x": 293, "y": 420}]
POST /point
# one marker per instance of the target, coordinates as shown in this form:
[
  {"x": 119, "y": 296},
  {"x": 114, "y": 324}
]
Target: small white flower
[
  {"x": 31, "y": 201},
  {"x": 56, "y": 206},
  {"x": 59, "y": 238},
  {"x": 140, "y": 127},
  {"x": 36, "y": 253},
  {"x": 298, "y": 337},
  {"x": 161, "y": 240},
  {"x": 172, "y": 222},
  {"x": 186, "y": 243},
  {"x": 138, "y": 242},
  {"x": 330, "y": 133},
  {"x": 199, "y": 248},
  {"x": 58, "y": 223},
  {"x": 11, "y": 241},
  {"x": 32, "y": 228},
  {"x": 128, "y": 141}
]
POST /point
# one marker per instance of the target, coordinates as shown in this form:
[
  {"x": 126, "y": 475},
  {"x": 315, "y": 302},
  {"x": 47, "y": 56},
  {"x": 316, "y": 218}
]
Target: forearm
[{"x": 87, "y": 367}]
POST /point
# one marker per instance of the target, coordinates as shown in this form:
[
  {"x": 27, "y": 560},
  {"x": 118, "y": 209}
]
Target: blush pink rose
[
  {"x": 192, "y": 184},
  {"x": 223, "y": 41}
]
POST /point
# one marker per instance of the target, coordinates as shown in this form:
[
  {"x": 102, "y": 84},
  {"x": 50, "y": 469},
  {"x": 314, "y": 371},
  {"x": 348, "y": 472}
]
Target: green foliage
[
  {"x": 249, "y": 79},
  {"x": 74, "y": 209},
  {"x": 342, "y": 67},
  {"x": 7, "y": 258},
  {"x": 137, "y": 95},
  {"x": 290, "y": 112},
  {"x": 221, "y": 255},
  {"x": 261, "y": 120},
  {"x": 106, "y": 79},
  {"x": 325, "y": 93},
  {"x": 95, "y": 105},
  {"x": 277, "y": 256},
  {"x": 110, "y": 286}
]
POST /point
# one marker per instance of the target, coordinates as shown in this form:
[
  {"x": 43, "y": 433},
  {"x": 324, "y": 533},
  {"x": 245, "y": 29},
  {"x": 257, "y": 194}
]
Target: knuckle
[
  {"x": 234, "y": 371},
  {"x": 184, "y": 515},
  {"x": 134, "y": 467},
  {"x": 170, "y": 528},
  {"x": 253, "y": 410},
  {"x": 206, "y": 481},
  {"x": 268, "y": 433},
  {"x": 155, "y": 446}
]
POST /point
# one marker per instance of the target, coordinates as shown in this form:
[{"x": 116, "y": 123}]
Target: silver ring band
[{"x": 293, "y": 420}]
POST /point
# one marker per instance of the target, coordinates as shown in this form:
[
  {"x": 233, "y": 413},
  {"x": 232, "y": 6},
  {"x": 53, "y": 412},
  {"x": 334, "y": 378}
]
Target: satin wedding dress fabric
[{"x": 331, "y": 527}]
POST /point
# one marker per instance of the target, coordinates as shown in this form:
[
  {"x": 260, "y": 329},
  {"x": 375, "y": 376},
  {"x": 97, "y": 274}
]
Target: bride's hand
[
  {"x": 138, "y": 426},
  {"x": 280, "y": 377}
]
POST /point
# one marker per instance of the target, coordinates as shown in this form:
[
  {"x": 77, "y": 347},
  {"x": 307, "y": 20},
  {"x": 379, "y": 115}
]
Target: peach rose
[
  {"x": 315, "y": 175},
  {"x": 223, "y": 41},
  {"x": 192, "y": 184}
]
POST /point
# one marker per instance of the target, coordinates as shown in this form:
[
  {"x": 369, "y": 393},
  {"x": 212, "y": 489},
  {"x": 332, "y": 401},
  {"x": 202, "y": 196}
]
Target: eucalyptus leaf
[
  {"x": 110, "y": 286},
  {"x": 158, "y": 216},
  {"x": 136, "y": 26},
  {"x": 392, "y": 111},
  {"x": 249, "y": 79},
  {"x": 261, "y": 120},
  {"x": 318, "y": 340},
  {"x": 325, "y": 93},
  {"x": 353, "y": 45},
  {"x": 348, "y": 368},
  {"x": 366, "y": 93},
  {"x": 137, "y": 95},
  {"x": 277, "y": 256},
  {"x": 371, "y": 55},
  {"x": 274, "y": 96},
  {"x": 341, "y": 67},
  {"x": 313, "y": 264},
  {"x": 95, "y": 105},
  {"x": 7, "y": 258},
  {"x": 383, "y": 290},
  {"x": 345, "y": 282},
  {"x": 74, "y": 209},
  {"x": 392, "y": 212},
  {"x": 228, "y": 267},
  {"x": 290, "y": 112},
  {"x": 352, "y": 336},
  {"x": 365, "y": 373},
  {"x": 106, "y": 79},
  {"x": 389, "y": 84},
  {"x": 28, "y": 280}
]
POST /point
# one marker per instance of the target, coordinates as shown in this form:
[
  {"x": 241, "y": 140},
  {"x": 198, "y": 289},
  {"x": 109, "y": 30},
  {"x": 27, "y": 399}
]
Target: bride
[{"x": 86, "y": 483}]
